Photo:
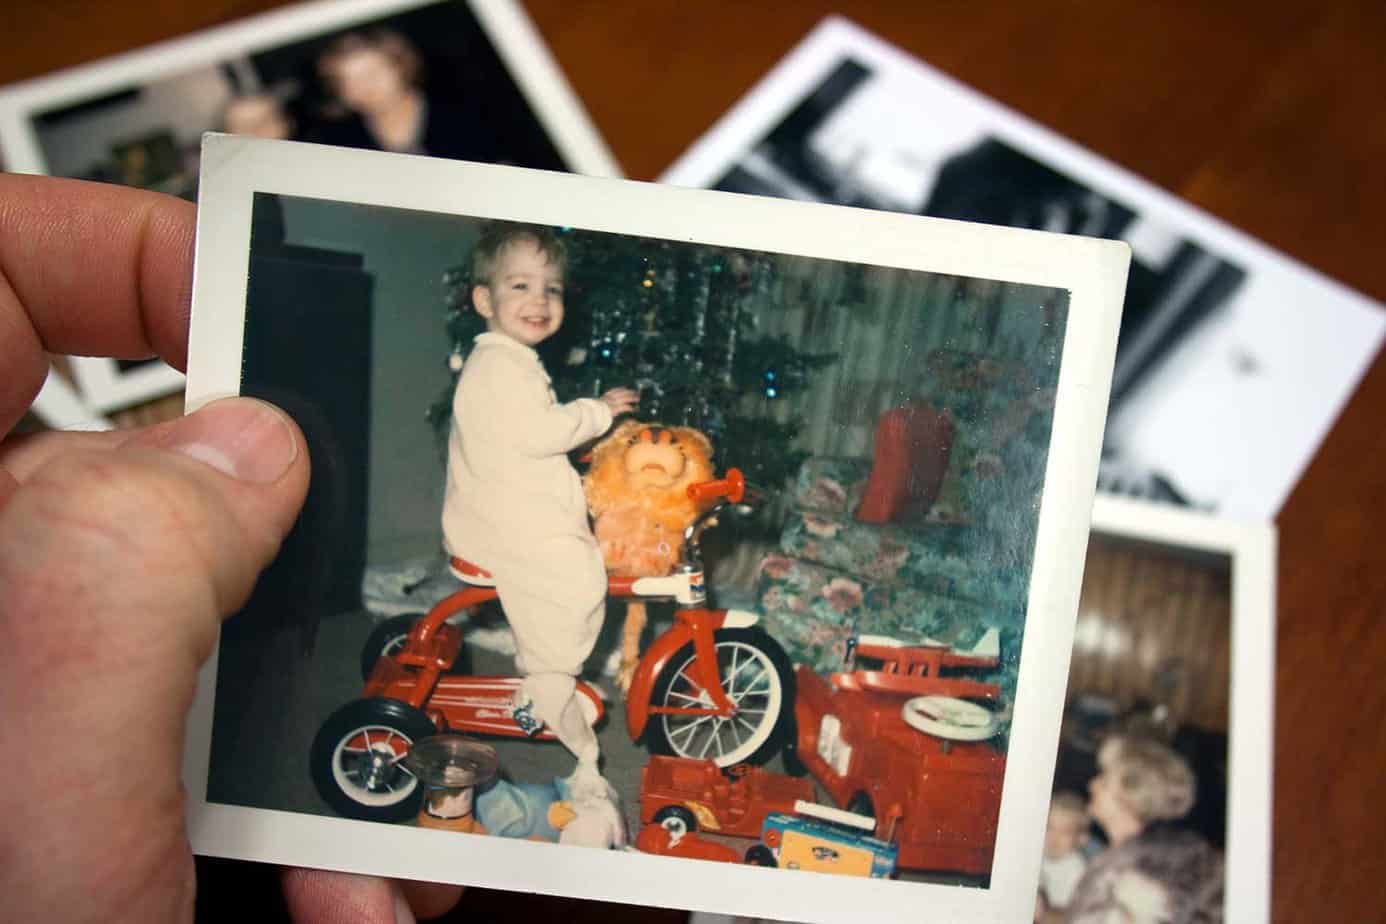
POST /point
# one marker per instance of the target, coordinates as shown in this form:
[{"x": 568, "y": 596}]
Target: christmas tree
[{"x": 678, "y": 322}]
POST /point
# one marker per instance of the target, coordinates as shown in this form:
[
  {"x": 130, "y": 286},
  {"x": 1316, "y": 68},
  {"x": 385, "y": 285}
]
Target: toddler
[
  {"x": 1064, "y": 838},
  {"x": 513, "y": 505}
]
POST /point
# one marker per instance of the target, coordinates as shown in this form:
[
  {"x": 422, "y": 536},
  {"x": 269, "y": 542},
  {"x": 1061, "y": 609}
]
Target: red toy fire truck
[
  {"x": 686, "y": 795},
  {"x": 897, "y": 740}
]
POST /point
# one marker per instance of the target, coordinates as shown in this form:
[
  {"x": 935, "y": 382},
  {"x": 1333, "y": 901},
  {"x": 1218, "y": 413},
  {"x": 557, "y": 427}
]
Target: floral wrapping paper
[
  {"x": 962, "y": 570},
  {"x": 812, "y": 611},
  {"x": 830, "y": 486},
  {"x": 948, "y": 561}
]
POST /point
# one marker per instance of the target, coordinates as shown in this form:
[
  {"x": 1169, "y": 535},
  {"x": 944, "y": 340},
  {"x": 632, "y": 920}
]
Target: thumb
[{"x": 118, "y": 558}]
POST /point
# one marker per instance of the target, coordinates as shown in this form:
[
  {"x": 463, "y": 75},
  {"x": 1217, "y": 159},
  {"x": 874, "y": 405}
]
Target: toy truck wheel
[
  {"x": 677, "y": 820},
  {"x": 389, "y": 637},
  {"x": 756, "y": 676},
  {"x": 760, "y": 855},
  {"x": 355, "y": 759}
]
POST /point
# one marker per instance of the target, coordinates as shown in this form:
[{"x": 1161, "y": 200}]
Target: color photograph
[{"x": 668, "y": 545}]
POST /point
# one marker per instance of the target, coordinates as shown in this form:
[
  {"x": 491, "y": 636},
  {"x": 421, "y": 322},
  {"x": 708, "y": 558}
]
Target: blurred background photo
[
  {"x": 444, "y": 79},
  {"x": 424, "y": 81}
]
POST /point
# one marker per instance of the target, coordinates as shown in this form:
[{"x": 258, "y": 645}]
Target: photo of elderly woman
[
  {"x": 1138, "y": 821},
  {"x": 427, "y": 80}
]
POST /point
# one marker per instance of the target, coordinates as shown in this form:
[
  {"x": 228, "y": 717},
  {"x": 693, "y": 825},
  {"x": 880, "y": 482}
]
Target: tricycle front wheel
[
  {"x": 759, "y": 680},
  {"x": 355, "y": 759}
]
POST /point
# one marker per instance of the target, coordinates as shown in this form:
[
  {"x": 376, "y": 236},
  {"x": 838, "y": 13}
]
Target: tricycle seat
[{"x": 469, "y": 573}]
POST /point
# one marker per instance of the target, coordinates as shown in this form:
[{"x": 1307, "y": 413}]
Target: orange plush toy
[{"x": 636, "y": 490}]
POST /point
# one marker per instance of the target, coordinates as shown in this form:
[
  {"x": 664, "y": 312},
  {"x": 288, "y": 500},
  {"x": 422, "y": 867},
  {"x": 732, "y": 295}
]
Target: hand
[
  {"x": 621, "y": 400},
  {"x": 119, "y": 555}
]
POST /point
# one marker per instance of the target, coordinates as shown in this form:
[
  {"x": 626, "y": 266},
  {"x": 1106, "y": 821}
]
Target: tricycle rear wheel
[{"x": 389, "y": 637}]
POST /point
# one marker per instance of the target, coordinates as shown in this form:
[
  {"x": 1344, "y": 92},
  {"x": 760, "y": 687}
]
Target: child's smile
[{"x": 524, "y": 297}]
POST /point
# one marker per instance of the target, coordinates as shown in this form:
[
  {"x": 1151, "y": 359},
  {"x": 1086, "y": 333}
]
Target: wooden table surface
[{"x": 1266, "y": 114}]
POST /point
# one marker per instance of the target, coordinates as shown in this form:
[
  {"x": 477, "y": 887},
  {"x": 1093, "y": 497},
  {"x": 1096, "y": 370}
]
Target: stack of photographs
[{"x": 918, "y": 391}]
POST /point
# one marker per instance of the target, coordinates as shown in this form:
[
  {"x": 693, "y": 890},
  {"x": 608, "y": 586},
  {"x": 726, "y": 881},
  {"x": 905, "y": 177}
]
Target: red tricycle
[
  {"x": 713, "y": 686},
  {"x": 902, "y": 742}
]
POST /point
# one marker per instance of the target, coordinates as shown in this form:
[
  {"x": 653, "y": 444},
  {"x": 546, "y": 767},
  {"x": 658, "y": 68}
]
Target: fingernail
[
  {"x": 242, "y": 437},
  {"x": 403, "y": 913}
]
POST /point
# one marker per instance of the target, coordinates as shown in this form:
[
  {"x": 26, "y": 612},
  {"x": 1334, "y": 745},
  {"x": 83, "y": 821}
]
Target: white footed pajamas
[{"x": 514, "y": 506}]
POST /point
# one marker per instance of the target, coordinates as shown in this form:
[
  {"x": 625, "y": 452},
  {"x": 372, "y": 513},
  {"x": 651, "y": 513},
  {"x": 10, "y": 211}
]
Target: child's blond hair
[
  {"x": 498, "y": 235},
  {"x": 1069, "y": 802}
]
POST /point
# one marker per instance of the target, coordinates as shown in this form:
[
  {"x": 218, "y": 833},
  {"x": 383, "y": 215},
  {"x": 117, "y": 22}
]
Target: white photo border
[
  {"x": 1092, "y": 271},
  {"x": 104, "y": 385},
  {"x": 60, "y": 406}
]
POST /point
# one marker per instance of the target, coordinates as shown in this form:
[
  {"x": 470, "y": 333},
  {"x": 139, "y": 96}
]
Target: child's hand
[{"x": 621, "y": 400}]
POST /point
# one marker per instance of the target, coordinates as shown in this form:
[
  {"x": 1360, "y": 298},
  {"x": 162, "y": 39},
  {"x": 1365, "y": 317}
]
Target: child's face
[
  {"x": 259, "y": 116},
  {"x": 524, "y": 299},
  {"x": 1064, "y": 833}
]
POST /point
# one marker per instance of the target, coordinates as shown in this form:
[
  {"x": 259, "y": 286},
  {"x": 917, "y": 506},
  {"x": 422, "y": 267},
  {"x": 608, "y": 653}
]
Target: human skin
[
  {"x": 260, "y": 116},
  {"x": 120, "y": 553},
  {"x": 369, "y": 82},
  {"x": 523, "y": 299},
  {"x": 1064, "y": 832},
  {"x": 1118, "y": 820}
]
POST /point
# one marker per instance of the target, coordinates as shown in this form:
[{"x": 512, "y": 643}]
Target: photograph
[
  {"x": 1161, "y": 797},
  {"x": 451, "y": 79},
  {"x": 1232, "y": 362},
  {"x": 685, "y": 526},
  {"x": 1161, "y": 806}
]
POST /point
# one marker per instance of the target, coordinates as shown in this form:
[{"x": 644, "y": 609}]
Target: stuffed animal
[
  {"x": 636, "y": 491},
  {"x": 549, "y": 812}
]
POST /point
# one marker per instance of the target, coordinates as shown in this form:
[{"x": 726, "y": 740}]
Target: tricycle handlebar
[{"x": 732, "y": 487}]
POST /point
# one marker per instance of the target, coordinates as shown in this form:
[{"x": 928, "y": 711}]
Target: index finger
[{"x": 88, "y": 269}]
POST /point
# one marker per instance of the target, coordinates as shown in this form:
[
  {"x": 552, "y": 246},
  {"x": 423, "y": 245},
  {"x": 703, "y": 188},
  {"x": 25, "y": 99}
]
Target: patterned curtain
[{"x": 883, "y": 323}]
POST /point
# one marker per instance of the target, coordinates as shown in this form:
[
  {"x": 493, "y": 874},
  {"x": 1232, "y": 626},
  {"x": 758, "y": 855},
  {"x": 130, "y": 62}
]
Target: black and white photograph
[
  {"x": 819, "y": 561},
  {"x": 446, "y": 79},
  {"x": 1223, "y": 383}
]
